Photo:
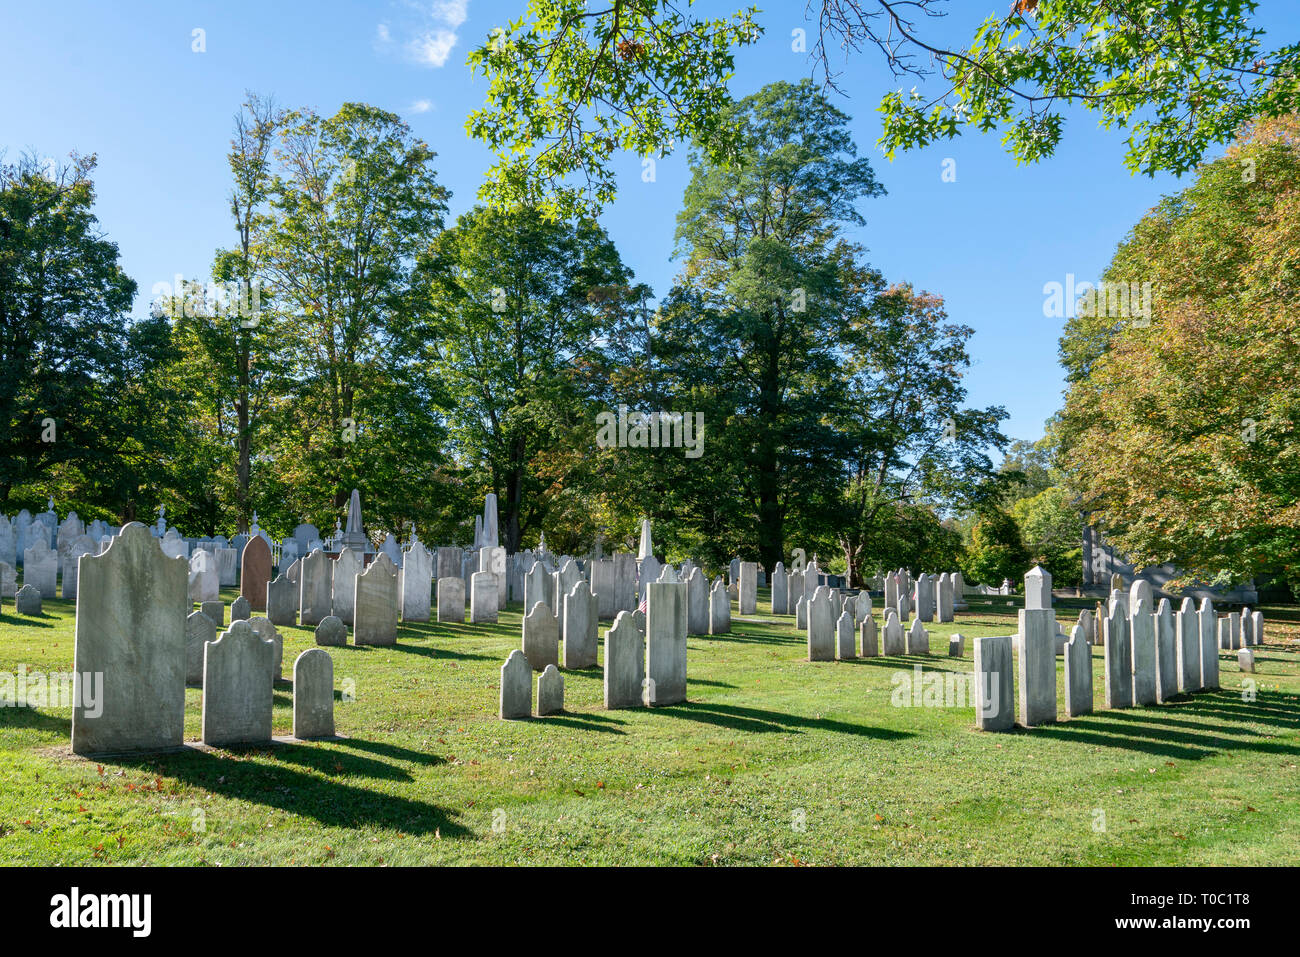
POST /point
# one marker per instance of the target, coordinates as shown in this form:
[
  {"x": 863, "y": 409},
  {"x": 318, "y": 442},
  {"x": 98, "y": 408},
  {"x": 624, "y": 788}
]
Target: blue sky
[{"x": 122, "y": 81}]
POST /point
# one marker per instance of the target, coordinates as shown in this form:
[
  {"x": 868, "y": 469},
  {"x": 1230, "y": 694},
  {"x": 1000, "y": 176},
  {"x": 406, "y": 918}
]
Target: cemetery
[
  {"x": 658, "y": 717},
  {"x": 499, "y": 433}
]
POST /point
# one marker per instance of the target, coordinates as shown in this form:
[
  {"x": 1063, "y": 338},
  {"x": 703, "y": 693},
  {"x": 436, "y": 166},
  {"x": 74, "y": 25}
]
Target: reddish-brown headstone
[{"x": 255, "y": 572}]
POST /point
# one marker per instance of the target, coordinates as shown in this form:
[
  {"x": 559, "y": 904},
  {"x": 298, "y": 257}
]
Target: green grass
[{"x": 766, "y": 740}]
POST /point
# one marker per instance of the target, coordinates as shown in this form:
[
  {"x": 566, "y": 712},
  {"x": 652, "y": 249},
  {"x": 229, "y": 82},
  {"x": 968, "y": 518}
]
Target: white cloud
[
  {"x": 451, "y": 12},
  {"x": 432, "y": 47},
  {"x": 420, "y": 106},
  {"x": 381, "y": 32}
]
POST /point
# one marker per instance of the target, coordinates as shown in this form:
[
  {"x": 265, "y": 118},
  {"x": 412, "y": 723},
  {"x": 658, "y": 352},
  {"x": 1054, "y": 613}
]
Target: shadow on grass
[
  {"x": 43, "y": 620},
  {"x": 760, "y": 721},
  {"x": 15, "y": 717},
  {"x": 584, "y": 722},
  {"x": 1152, "y": 731},
  {"x": 329, "y": 802},
  {"x": 426, "y": 651}
]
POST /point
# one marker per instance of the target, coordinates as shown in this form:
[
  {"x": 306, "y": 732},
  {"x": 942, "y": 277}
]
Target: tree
[
  {"x": 353, "y": 203},
  {"x": 996, "y": 551},
  {"x": 1049, "y": 527},
  {"x": 519, "y": 318},
  {"x": 65, "y": 340},
  {"x": 569, "y": 86},
  {"x": 915, "y": 447},
  {"x": 1179, "y": 429}
]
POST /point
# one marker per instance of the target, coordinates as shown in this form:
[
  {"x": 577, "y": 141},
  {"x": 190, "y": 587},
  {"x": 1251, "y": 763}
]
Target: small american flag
[{"x": 642, "y": 607}]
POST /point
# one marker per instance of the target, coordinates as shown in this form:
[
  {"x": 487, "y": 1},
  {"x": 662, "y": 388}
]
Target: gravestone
[
  {"x": 237, "y": 698},
  {"x": 1166, "y": 652},
  {"x": 331, "y": 632},
  {"x": 1209, "y": 652},
  {"x": 451, "y": 599},
  {"x": 1257, "y": 627},
  {"x": 282, "y": 601},
  {"x": 800, "y": 612},
  {"x": 8, "y": 543},
  {"x": 492, "y": 559},
  {"x": 376, "y": 604},
  {"x": 449, "y": 562},
  {"x": 892, "y": 635},
  {"x": 626, "y": 588},
  {"x": 1247, "y": 628},
  {"x": 130, "y": 629},
  {"x": 1078, "y": 674},
  {"x": 956, "y": 645},
  {"x": 862, "y": 609},
  {"x": 41, "y": 568},
  {"x": 1037, "y": 660},
  {"x": 1189, "y": 647},
  {"x": 204, "y": 582},
  {"x": 917, "y": 639},
  {"x": 255, "y": 572},
  {"x": 199, "y": 630},
  {"x": 537, "y": 587},
  {"x": 227, "y": 566},
  {"x": 604, "y": 584},
  {"x": 1118, "y": 658},
  {"x": 579, "y": 619},
  {"x": 562, "y": 582},
  {"x": 240, "y": 610},
  {"x": 697, "y": 603},
  {"x": 821, "y": 630},
  {"x": 719, "y": 609},
  {"x": 28, "y": 601},
  {"x": 8, "y": 580},
  {"x": 82, "y": 546},
  {"x": 482, "y": 598},
  {"x": 747, "y": 602},
  {"x": 994, "y": 684},
  {"x": 390, "y": 548},
  {"x": 925, "y": 609},
  {"x": 417, "y": 583},
  {"x": 1038, "y": 588},
  {"x": 870, "y": 642},
  {"x": 174, "y": 546},
  {"x": 946, "y": 602},
  {"x": 313, "y": 695},
  {"x": 315, "y": 588},
  {"x": 780, "y": 590},
  {"x": 541, "y": 643},
  {"x": 624, "y": 675},
  {"x": 891, "y": 591},
  {"x": 1246, "y": 660},
  {"x": 516, "y": 698},
  {"x": 1142, "y": 637},
  {"x": 267, "y": 632},
  {"x": 550, "y": 691},
  {"x": 846, "y": 638},
  {"x": 344, "y": 594},
  {"x": 665, "y": 647}
]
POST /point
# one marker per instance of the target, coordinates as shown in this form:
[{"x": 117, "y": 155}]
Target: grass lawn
[{"x": 773, "y": 760}]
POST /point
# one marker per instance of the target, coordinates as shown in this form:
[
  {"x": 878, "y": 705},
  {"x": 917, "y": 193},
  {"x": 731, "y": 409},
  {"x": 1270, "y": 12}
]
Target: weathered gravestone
[
  {"x": 862, "y": 609},
  {"x": 375, "y": 616},
  {"x": 550, "y": 691},
  {"x": 624, "y": 675},
  {"x": 956, "y": 645},
  {"x": 28, "y": 601},
  {"x": 204, "y": 583},
  {"x": 344, "y": 595},
  {"x": 199, "y": 630},
  {"x": 255, "y": 572},
  {"x": 82, "y": 546},
  {"x": 492, "y": 559},
  {"x": 665, "y": 651},
  {"x": 1078, "y": 674},
  {"x": 41, "y": 568},
  {"x": 1166, "y": 652},
  {"x": 417, "y": 583},
  {"x": 282, "y": 601},
  {"x": 541, "y": 639},
  {"x": 1038, "y": 588},
  {"x": 130, "y": 629},
  {"x": 516, "y": 699},
  {"x": 537, "y": 587},
  {"x": 1209, "y": 652},
  {"x": 892, "y": 634},
  {"x": 451, "y": 599},
  {"x": 947, "y": 588},
  {"x": 562, "y": 582},
  {"x": 870, "y": 639},
  {"x": 1246, "y": 660},
  {"x": 917, "y": 639},
  {"x": 1119, "y": 658},
  {"x": 994, "y": 684},
  {"x": 747, "y": 600},
  {"x": 267, "y": 632},
  {"x": 313, "y": 695},
  {"x": 240, "y": 609},
  {"x": 821, "y": 625},
  {"x": 846, "y": 638},
  {"x": 580, "y": 627},
  {"x": 237, "y": 698},
  {"x": 780, "y": 590},
  {"x": 1189, "y": 647},
  {"x": 719, "y": 609},
  {"x": 331, "y": 632},
  {"x": 800, "y": 612},
  {"x": 1142, "y": 638},
  {"x": 925, "y": 598},
  {"x": 482, "y": 598},
  {"x": 227, "y": 566},
  {"x": 1037, "y": 660},
  {"x": 8, "y": 580},
  {"x": 315, "y": 588},
  {"x": 697, "y": 603}
]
